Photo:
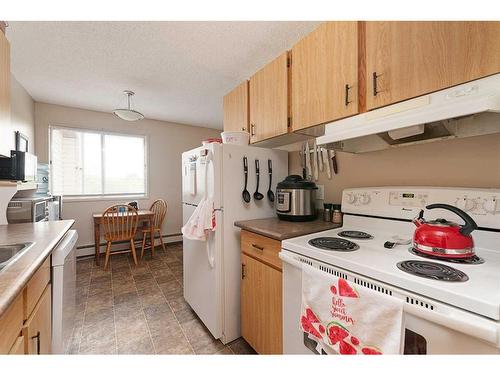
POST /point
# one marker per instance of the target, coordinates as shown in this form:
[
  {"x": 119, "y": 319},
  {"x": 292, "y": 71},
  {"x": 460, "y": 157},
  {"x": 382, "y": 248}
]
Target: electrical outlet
[{"x": 320, "y": 193}]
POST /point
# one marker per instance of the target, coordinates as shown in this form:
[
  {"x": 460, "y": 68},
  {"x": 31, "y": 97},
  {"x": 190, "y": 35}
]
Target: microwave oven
[{"x": 20, "y": 166}]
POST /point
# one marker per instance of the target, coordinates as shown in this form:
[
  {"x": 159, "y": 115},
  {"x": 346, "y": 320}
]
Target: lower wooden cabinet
[
  {"x": 261, "y": 296},
  {"x": 26, "y": 326},
  {"x": 37, "y": 330},
  {"x": 18, "y": 347},
  {"x": 11, "y": 323}
]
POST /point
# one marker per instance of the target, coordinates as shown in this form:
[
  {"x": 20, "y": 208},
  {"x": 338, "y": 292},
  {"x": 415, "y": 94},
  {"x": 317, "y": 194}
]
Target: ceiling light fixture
[{"x": 128, "y": 114}]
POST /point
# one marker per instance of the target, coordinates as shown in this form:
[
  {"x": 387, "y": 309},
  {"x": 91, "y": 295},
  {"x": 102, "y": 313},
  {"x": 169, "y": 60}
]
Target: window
[{"x": 92, "y": 163}]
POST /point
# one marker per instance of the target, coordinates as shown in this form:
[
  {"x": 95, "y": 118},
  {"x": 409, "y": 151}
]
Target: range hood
[{"x": 466, "y": 110}]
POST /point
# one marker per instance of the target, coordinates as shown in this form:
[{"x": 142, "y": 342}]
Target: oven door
[
  {"x": 40, "y": 211},
  {"x": 430, "y": 327}
]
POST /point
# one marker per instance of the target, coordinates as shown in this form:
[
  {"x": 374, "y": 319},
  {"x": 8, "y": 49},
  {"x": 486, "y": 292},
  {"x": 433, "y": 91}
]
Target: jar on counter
[
  {"x": 327, "y": 212},
  {"x": 337, "y": 214}
]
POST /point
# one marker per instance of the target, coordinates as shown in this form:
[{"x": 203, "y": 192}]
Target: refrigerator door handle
[{"x": 210, "y": 250}]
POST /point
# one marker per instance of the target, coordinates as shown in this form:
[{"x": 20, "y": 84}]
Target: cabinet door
[
  {"x": 18, "y": 347},
  {"x": 261, "y": 306},
  {"x": 38, "y": 328},
  {"x": 325, "y": 75},
  {"x": 236, "y": 109},
  {"x": 269, "y": 100},
  {"x": 408, "y": 59},
  {"x": 6, "y": 133}
]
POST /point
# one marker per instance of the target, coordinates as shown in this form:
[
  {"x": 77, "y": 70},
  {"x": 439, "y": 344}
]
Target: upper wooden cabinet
[
  {"x": 236, "y": 109},
  {"x": 269, "y": 100},
  {"x": 325, "y": 75},
  {"x": 408, "y": 59}
]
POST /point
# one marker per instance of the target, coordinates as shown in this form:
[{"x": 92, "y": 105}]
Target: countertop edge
[
  {"x": 274, "y": 237},
  {"x": 8, "y": 296}
]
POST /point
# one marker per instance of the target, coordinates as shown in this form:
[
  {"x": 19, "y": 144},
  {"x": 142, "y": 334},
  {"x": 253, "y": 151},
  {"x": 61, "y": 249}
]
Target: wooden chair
[
  {"x": 159, "y": 207},
  {"x": 119, "y": 226}
]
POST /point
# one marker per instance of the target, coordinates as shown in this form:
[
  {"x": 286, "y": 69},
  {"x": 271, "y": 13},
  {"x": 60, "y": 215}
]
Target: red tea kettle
[{"x": 443, "y": 238}]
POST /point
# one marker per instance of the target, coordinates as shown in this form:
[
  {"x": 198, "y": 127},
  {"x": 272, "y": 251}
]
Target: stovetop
[{"x": 480, "y": 293}]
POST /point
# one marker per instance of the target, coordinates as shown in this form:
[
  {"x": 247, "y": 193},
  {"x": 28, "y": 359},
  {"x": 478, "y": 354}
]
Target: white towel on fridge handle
[{"x": 347, "y": 318}]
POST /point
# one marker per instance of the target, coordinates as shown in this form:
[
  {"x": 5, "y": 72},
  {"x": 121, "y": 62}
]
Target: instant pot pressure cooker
[{"x": 296, "y": 199}]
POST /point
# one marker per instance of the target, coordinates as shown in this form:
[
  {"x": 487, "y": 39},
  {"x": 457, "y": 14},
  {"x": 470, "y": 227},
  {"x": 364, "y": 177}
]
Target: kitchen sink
[{"x": 9, "y": 253}]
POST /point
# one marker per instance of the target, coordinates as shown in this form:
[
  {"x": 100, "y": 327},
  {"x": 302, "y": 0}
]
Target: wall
[
  {"x": 22, "y": 118},
  {"x": 166, "y": 143},
  {"x": 468, "y": 162}
]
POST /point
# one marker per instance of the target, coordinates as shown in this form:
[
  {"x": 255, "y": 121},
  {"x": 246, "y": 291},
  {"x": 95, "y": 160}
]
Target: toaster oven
[{"x": 28, "y": 210}]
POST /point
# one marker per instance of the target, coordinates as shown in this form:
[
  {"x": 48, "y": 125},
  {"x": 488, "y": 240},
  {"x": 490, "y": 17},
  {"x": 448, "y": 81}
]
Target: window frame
[{"x": 101, "y": 196}]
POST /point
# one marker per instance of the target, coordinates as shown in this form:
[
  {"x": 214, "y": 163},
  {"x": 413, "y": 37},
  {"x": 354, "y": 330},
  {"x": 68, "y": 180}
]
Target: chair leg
[
  {"x": 108, "y": 251},
  {"x": 143, "y": 243},
  {"x": 132, "y": 247},
  {"x": 152, "y": 243},
  {"x": 161, "y": 240}
]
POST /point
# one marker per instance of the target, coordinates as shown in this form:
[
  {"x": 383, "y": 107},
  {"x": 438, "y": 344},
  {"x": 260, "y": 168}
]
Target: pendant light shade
[{"x": 128, "y": 114}]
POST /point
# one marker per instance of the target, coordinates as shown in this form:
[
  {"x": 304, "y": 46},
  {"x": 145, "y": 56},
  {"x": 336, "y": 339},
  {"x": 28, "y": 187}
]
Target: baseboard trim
[{"x": 85, "y": 250}]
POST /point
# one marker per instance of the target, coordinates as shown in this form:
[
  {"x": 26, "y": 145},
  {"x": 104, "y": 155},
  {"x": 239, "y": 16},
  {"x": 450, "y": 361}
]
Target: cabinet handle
[
  {"x": 374, "y": 79},
  {"x": 261, "y": 248},
  {"x": 242, "y": 271},
  {"x": 347, "y": 88},
  {"x": 37, "y": 337},
  {"x": 252, "y": 129}
]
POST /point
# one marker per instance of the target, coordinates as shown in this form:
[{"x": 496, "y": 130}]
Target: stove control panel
[
  {"x": 483, "y": 205},
  {"x": 408, "y": 198}
]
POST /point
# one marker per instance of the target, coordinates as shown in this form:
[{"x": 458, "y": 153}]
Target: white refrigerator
[{"x": 212, "y": 269}]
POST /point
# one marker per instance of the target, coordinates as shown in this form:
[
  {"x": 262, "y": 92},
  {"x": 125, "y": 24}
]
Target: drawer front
[
  {"x": 262, "y": 248},
  {"x": 11, "y": 324},
  {"x": 18, "y": 347},
  {"x": 37, "y": 330},
  {"x": 35, "y": 288}
]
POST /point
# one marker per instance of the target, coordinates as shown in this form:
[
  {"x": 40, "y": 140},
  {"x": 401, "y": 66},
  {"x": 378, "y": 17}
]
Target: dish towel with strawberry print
[{"x": 344, "y": 318}]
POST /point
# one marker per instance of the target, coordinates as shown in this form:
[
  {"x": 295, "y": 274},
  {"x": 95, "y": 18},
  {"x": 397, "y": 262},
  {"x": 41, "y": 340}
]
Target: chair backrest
[
  {"x": 120, "y": 222},
  {"x": 159, "y": 207}
]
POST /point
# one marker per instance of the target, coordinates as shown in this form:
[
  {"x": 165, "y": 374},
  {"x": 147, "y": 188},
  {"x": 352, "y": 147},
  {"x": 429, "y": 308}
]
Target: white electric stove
[{"x": 459, "y": 313}]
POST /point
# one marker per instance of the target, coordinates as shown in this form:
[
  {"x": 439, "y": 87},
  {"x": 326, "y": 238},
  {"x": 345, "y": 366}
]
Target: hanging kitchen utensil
[
  {"x": 308, "y": 162},
  {"x": 443, "y": 238},
  {"x": 246, "y": 193},
  {"x": 302, "y": 154},
  {"x": 326, "y": 162},
  {"x": 333, "y": 158},
  {"x": 315, "y": 162},
  {"x": 257, "y": 196},
  {"x": 270, "y": 193},
  {"x": 320, "y": 158}
]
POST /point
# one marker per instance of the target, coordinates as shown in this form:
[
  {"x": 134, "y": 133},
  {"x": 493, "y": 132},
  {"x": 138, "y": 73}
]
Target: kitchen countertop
[
  {"x": 45, "y": 236},
  {"x": 281, "y": 230}
]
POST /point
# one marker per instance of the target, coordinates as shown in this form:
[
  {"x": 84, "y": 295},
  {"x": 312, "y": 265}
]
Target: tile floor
[{"x": 140, "y": 309}]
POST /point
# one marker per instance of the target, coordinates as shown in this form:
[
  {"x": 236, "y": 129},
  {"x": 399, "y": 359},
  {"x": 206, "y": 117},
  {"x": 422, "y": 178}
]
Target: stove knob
[
  {"x": 351, "y": 198},
  {"x": 364, "y": 199},
  {"x": 491, "y": 205},
  {"x": 466, "y": 204}
]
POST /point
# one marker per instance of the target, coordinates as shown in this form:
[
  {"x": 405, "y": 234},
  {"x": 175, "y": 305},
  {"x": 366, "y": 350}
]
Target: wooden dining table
[{"x": 144, "y": 215}]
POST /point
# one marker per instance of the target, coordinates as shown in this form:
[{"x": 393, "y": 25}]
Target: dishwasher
[{"x": 63, "y": 292}]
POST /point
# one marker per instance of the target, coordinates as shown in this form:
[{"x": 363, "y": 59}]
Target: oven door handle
[
  {"x": 461, "y": 322},
  {"x": 481, "y": 328}
]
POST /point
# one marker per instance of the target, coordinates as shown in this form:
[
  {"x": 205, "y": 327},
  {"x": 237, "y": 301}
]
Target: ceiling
[{"x": 179, "y": 70}]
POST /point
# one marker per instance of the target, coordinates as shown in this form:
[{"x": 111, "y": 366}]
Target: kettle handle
[{"x": 470, "y": 224}]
